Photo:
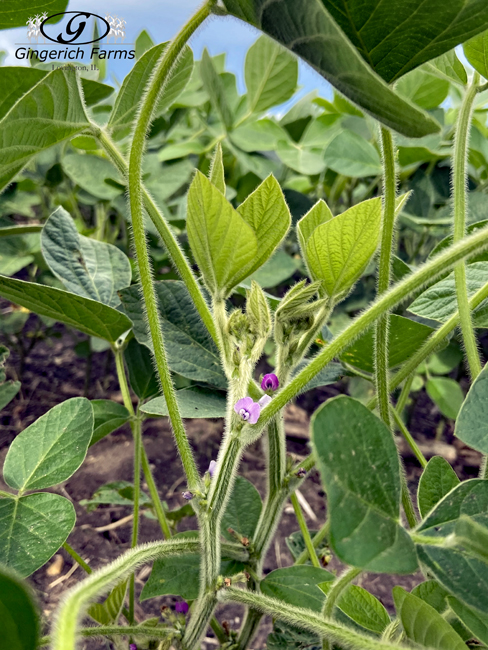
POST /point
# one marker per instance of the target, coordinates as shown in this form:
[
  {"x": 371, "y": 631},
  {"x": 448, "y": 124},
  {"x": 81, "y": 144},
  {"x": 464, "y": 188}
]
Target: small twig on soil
[
  {"x": 65, "y": 577},
  {"x": 305, "y": 505}
]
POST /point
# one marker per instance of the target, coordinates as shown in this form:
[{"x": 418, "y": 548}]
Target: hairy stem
[
  {"x": 116, "y": 630},
  {"x": 334, "y": 595},
  {"x": 383, "y": 322},
  {"x": 317, "y": 539},
  {"x": 408, "y": 437},
  {"x": 459, "y": 185},
  {"x": 136, "y": 433},
  {"x": 443, "y": 262},
  {"x": 304, "y": 530}
]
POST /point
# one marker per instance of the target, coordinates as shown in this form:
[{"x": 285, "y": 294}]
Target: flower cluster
[{"x": 248, "y": 409}]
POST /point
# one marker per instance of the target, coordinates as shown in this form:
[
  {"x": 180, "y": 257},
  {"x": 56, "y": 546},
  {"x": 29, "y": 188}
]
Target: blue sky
[{"x": 162, "y": 19}]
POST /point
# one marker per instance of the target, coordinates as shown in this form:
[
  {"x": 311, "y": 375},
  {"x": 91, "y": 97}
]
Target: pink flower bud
[{"x": 270, "y": 382}]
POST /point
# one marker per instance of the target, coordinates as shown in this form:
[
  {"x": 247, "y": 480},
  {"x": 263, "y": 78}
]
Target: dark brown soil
[{"x": 52, "y": 372}]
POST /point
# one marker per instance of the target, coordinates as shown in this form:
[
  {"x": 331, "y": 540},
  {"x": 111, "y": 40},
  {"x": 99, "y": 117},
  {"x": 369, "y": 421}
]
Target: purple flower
[
  {"x": 248, "y": 410},
  {"x": 132, "y": 646},
  {"x": 211, "y": 468},
  {"x": 181, "y": 607},
  {"x": 270, "y": 382},
  {"x": 264, "y": 401},
  {"x": 187, "y": 495}
]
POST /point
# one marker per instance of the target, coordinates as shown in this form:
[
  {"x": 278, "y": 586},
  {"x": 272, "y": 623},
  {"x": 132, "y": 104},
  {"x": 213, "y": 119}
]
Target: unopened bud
[
  {"x": 187, "y": 495},
  {"x": 301, "y": 472}
]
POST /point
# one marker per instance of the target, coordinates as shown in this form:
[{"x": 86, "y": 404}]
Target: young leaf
[
  {"x": 449, "y": 67},
  {"x": 437, "y": 480},
  {"x": 194, "y": 402},
  {"x": 271, "y": 75},
  {"x": 476, "y": 51},
  {"x": 32, "y": 528},
  {"x": 475, "y": 622},
  {"x": 132, "y": 89},
  {"x": 359, "y": 465},
  {"x": 190, "y": 348},
  {"x": 87, "y": 267},
  {"x": 446, "y": 393},
  {"x": 352, "y": 155},
  {"x": 319, "y": 214},
  {"x": 431, "y": 592},
  {"x": 108, "y": 612},
  {"x": 297, "y": 585},
  {"x": 18, "y": 613},
  {"x": 142, "y": 376},
  {"x": 472, "y": 421},
  {"x": 308, "y": 29},
  {"x": 108, "y": 417},
  {"x": 363, "y": 608},
  {"x": 51, "y": 449},
  {"x": 143, "y": 43},
  {"x": 426, "y": 90},
  {"x": 339, "y": 250},
  {"x": 91, "y": 173},
  {"x": 439, "y": 302},
  {"x": 423, "y": 625},
  {"x": 217, "y": 176},
  {"x": 37, "y": 121},
  {"x": 89, "y": 316},
  {"x": 213, "y": 84},
  {"x": 243, "y": 510}
]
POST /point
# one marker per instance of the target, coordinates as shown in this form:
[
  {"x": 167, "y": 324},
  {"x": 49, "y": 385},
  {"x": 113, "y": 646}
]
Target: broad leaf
[
  {"x": 300, "y": 158},
  {"x": 439, "y": 302},
  {"x": 328, "y": 375},
  {"x": 437, "y": 480},
  {"x": 87, "y": 267},
  {"x": 423, "y": 625},
  {"x": 91, "y": 173},
  {"x": 37, "y": 121},
  {"x": 52, "y": 448},
  {"x": 476, "y": 51},
  {"x": 352, "y": 155},
  {"x": 475, "y": 622},
  {"x": 424, "y": 89},
  {"x": 213, "y": 84},
  {"x": 191, "y": 351},
  {"x": 446, "y": 393},
  {"x": 472, "y": 421},
  {"x": 89, "y": 316},
  {"x": 18, "y": 613},
  {"x": 193, "y": 402},
  {"x": 449, "y": 67},
  {"x": 217, "y": 171},
  {"x": 134, "y": 84},
  {"x": 13, "y": 14},
  {"x": 242, "y": 511},
  {"x": 262, "y": 135},
  {"x": 118, "y": 493},
  {"x": 338, "y": 251},
  {"x": 142, "y": 376},
  {"x": 473, "y": 537},
  {"x": 309, "y": 30},
  {"x": 319, "y": 214},
  {"x": 364, "y": 609},
  {"x": 108, "y": 417},
  {"x": 32, "y": 528},
  {"x": 406, "y": 336},
  {"x": 431, "y": 592},
  {"x": 275, "y": 271},
  {"x": 271, "y": 75},
  {"x": 359, "y": 465},
  {"x": 297, "y": 585}
]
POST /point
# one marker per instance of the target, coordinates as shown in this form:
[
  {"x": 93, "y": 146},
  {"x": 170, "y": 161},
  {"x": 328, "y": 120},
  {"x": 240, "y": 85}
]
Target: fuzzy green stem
[
  {"x": 407, "y": 502},
  {"x": 443, "y": 262},
  {"x": 146, "y": 111},
  {"x": 408, "y": 437},
  {"x": 155, "y": 498},
  {"x": 305, "y": 619},
  {"x": 136, "y": 433},
  {"x": 101, "y": 581},
  {"x": 382, "y": 324},
  {"x": 276, "y": 455},
  {"x": 304, "y": 530},
  {"x": 317, "y": 539},
  {"x": 116, "y": 630},
  {"x": 459, "y": 185},
  {"x": 405, "y": 392},
  {"x": 334, "y": 595},
  {"x": 77, "y": 558}
]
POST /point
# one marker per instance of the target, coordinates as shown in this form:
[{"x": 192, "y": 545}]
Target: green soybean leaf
[
  {"x": 108, "y": 612},
  {"x": 271, "y": 75},
  {"x": 32, "y": 528},
  {"x": 339, "y": 250},
  {"x": 37, "y": 121},
  {"x": 423, "y": 625},
  {"x": 476, "y": 51},
  {"x": 94, "y": 91},
  {"x": 359, "y": 465},
  {"x": 433, "y": 594},
  {"x": 472, "y": 536},
  {"x": 328, "y": 375},
  {"x": 352, "y": 155},
  {"x": 87, "y": 267},
  {"x": 446, "y": 394},
  {"x": 8, "y": 389},
  {"x": 89, "y": 316},
  {"x": 475, "y": 622},
  {"x": 217, "y": 173},
  {"x": 119, "y": 493},
  {"x": 142, "y": 376},
  {"x": 297, "y": 585},
  {"x": 15, "y": 81},
  {"x": 439, "y": 302},
  {"x": 243, "y": 510},
  {"x": 308, "y": 30},
  {"x": 406, "y": 336},
  {"x": 422, "y": 88},
  {"x": 194, "y": 402},
  {"x": 437, "y": 480},
  {"x": 213, "y": 84},
  {"x": 13, "y": 14},
  {"x": 463, "y": 576},
  {"x": 363, "y": 608},
  {"x": 275, "y": 271},
  {"x": 134, "y": 84},
  {"x": 449, "y": 67},
  {"x": 262, "y": 135},
  {"x": 472, "y": 424},
  {"x": 191, "y": 351},
  {"x": 143, "y": 43},
  {"x": 320, "y": 213},
  {"x": 108, "y": 417},
  {"x": 91, "y": 173},
  {"x": 301, "y": 159},
  {"x": 18, "y": 613},
  {"x": 51, "y": 449}
]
